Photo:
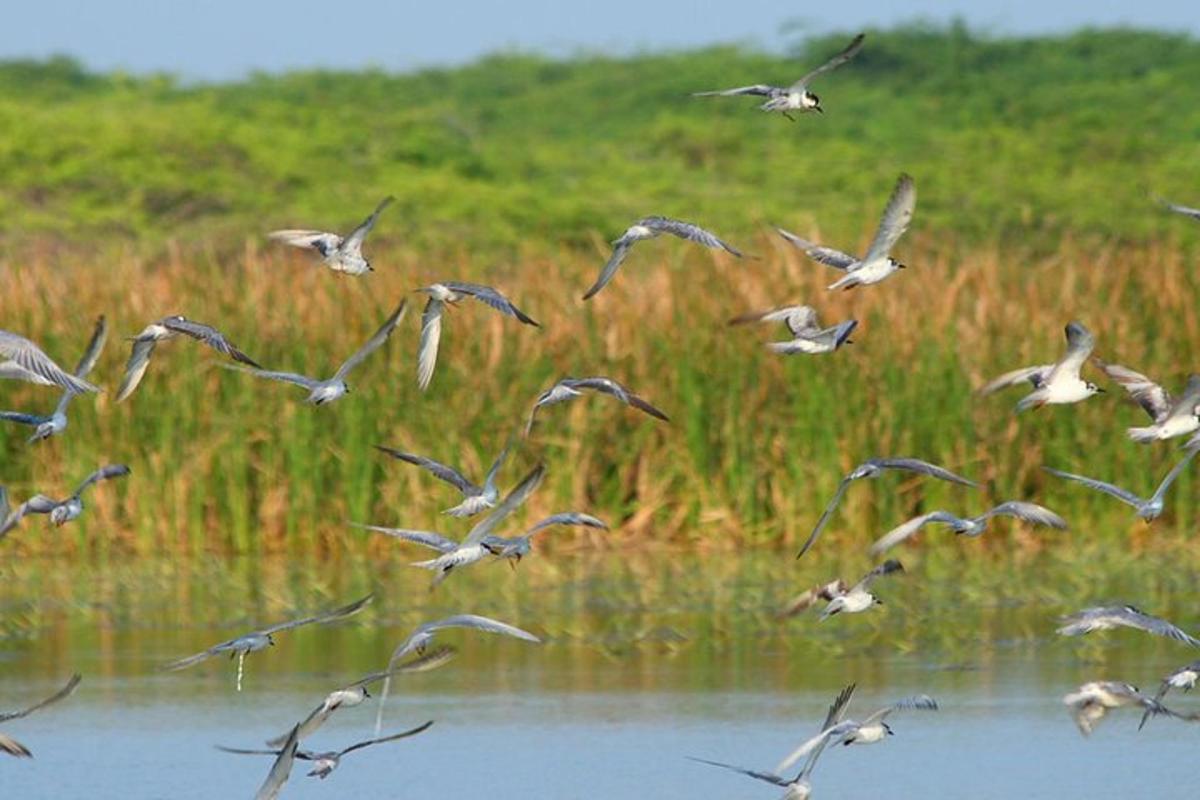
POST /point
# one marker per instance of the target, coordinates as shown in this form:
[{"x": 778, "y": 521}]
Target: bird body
[
  {"x": 570, "y": 388},
  {"x": 877, "y": 264},
  {"x": 1171, "y": 416},
  {"x": 808, "y": 336},
  {"x": 859, "y": 598},
  {"x": 1148, "y": 508},
  {"x": 450, "y": 293}
]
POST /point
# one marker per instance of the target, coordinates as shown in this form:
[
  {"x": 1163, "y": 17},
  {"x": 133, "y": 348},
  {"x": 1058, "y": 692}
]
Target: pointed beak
[{"x": 818, "y": 109}]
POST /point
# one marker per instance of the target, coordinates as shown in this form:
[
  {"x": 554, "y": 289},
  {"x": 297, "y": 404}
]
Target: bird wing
[
  {"x": 769, "y": 777},
  {"x": 31, "y": 359},
  {"x": 886, "y": 568},
  {"x": 104, "y": 473},
  {"x": 210, "y": 336},
  {"x": 568, "y": 518},
  {"x": 443, "y": 471},
  {"x": 597, "y": 384},
  {"x": 806, "y": 599},
  {"x": 38, "y": 504},
  {"x": 797, "y": 318},
  {"x": 909, "y": 529},
  {"x": 760, "y": 89},
  {"x": 354, "y": 241},
  {"x": 816, "y": 531},
  {"x": 833, "y": 718},
  {"x": 1123, "y": 495},
  {"x": 1133, "y": 618},
  {"x": 477, "y": 622},
  {"x": 491, "y": 297},
  {"x": 924, "y": 468},
  {"x": 61, "y": 694},
  {"x": 374, "y": 343},
  {"x": 13, "y": 747},
  {"x": 324, "y": 243},
  {"x": 24, "y": 419},
  {"x": 850, "y": 51},
  {"x": 1080, "y": 344},
  {"x": 490, "y": 479},
  {"x": 1035, "y": 375},
  {"x": 688, "y": 231},
  {"x": 919, "y": 702},
  {"x": 1029, "y": 512},
  {"x": 381, "y": 739},
  {"x": 434, "y": 541},
  {"x": 431, "y": 336},
  {"x": 825, "y": 255},
  {"x": 284, "y": 377},
  {"x": 92, "y": 352},
  {"x": 1174, "y": 473},
  {"x": 430, "y": 661},
  {"x": 511, "y": 502},
  {"x": 281, "y": 769},
  {"x": 204, "y": 655},
  {"x": 322, "y": 618},
  {"x": 1153, "y": 399},
  {"x": 896, "y": 217},
  {"x": 135, "y": 367},
  {"x": 620, "y": 250},
  {"x": 1187, "y": 211}
]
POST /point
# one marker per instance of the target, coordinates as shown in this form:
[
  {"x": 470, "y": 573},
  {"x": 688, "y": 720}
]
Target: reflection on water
[{"x": 647, "y": 660}]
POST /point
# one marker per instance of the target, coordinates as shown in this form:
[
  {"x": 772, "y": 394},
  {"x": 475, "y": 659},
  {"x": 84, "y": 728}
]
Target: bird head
[{"x": 1094, "y": 389}]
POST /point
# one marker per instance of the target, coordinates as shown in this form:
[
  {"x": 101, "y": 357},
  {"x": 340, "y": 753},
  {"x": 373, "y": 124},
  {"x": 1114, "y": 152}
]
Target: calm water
[{"x": 646, "y": 661}]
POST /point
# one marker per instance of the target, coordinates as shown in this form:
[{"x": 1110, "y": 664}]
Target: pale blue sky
[{"x": 220, "y": 39}]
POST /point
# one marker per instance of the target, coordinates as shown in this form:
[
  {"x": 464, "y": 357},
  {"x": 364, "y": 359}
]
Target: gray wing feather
[
  {"x": 920, "y": 702},
  {"x": 443, "y": 471},
  {"x": 896, "y": 217},
  {"x": 568, "y": 518},
  {"x": 510, "y": 503},
  {"x": 284, "y": 377},
  {"x": 1173, "y": 474},
  {"x": 354, "y": 241},
  {"x": 105, "y": 473},
  {"x": 1187, "y": 211},
  {"x": 886, "y": 568},
  {"x": 24, "y": 419},
  {"x": 924, "y": 468},
  {"x": 321, "y": 241},
  {"x": 431, "y": 540},
  {"x": 1080, "y": 344},
  {"x": 620, "y": 251},
  {"x": 688, "y": 231},
  {"x": 491, "y": 297},
  {"x": 30, "y": 358},
  {"x": 281, "y": 769},
  {"x": 374, "y": 343},
  {"x": 909, "y": 529},
  {"x": 328, "y": 616},
  {"x": 759, "y": 89},
  {"x": 481, "y": 623},
  {"x": 1035, "y": 375},
  {"x": 825, "y": 255},
  {"x": 850, "y": 51},
  {"x": 1029, "y": 512},
  {"x": 769, "y": 777},
  {"x": 833, "y": 503},
  {"x": 1153, "y": 399},
  {"x": 1123, "y": 495},
  {"x": 390, "y": 738},
  {"x": 207, "y": 334},
  {"x": 61, "y": 694},
  {"x": 92, "y": 352},
  {"x": 135, "y": 368}
]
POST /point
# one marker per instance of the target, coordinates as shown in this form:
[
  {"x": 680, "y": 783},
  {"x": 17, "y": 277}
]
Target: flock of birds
[{"x": 1057, "y": 383}]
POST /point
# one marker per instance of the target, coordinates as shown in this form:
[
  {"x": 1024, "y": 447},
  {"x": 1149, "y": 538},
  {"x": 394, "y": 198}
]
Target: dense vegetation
[{"x": 1034, "y": 161}]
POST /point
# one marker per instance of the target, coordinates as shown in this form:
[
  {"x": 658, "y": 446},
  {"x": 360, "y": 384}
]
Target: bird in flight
[
  {"x": 1090, "y": 702},
  {"x": 45, "y": 427},
  {"x": 796, "y": 97},
  {"x": 1104, "y": 618},
  {"x": 570, "y": 388},
  {"x": 337, "y": 253},
  {"x": 651, "y": 228},
  {"x": 1057, "y": 383},
  {"x": 326, "y": 762},
  {"x": 877, "y": 264},
  {"x": 858, "y": 598},
  {"x": 241, "y": 646},
  {"x": 12, "y": 746},
  {"x": 22, "y": 360},
  {"x": 873, "y": 468},
  {"x": 969, "y": 526},
  {"x": 451, "y": 293},
  {"x": 476, "y": 498},
  {"x": 169, "y": 328},
  {"x": 807, "y": 334},
  {"x": 61, "y": 511},
  {"x": 517, "y": 547},
  {"x": 1171, "y": 416},
  {"x": 325, "y": 391},
  {"x": 1186, "y": 211},
  {"x": 799, "y": 787},
  {"x": 419, "y": 640},
  {"x": 1148, "y": 508},
  {"x": 1183, "y": 678}
]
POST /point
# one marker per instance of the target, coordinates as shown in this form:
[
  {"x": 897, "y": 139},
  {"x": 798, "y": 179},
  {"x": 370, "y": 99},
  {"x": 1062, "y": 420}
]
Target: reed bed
[{"x": 225, "y": 463}]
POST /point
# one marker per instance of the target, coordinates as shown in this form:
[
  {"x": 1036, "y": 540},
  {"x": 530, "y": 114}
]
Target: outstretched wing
[
  {"x": 210, "y": 336},
  {"x": 896, "y": 217},
  {"x": 281, "y": 769},
  {"x": 328, "y": 616},
  {"x": 23, "y": 419},
  {"x": 1123, "y": 495},
  {"x": 620, "y": 250},
  {"x": 924, "y": 468},
  {"x": 1035, "y": 375},
  {"x": 816, "y": 531},
  {"x": 1187, "y": 211},
  {"x": 393, "y": 737},
  {"x": 510, "y": 503},
  {"x": 1080, "y": 344},
  {"x": 909, "y": 529},
  {"x": 769, "y": 777},
  {"x": 919, "y": 702},
  {"x": 886, "y": 568},
  {"x": 568, "y": 518},
  {"x": 61, "y": 694},
  {"x": 759, "y": 89},
  {"x": 35, "y": 365},
  {"x": 430, "y": 539},
  {"x": 92, "y": 352},
  {"x": 491, "y": 297},
  {"x": 1154, "y": 399},
  {"x": 1028, "y": 512},
  {"x": 431, "y": 337},
  {"x": 104, "y": 473},
  {"x": 443, "y": 471},
  {"x": 284, "y": 377},
  {"x": 354, "y": 241},
  {"x": 850, "y": 51},
  {"x": 374, "y": 343},
  {"x": 688, "y": 231},
  {"x": 135, "y": 367},
  {"x": 825, "y": 255},
  {"x": 324, "y": 243}
]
